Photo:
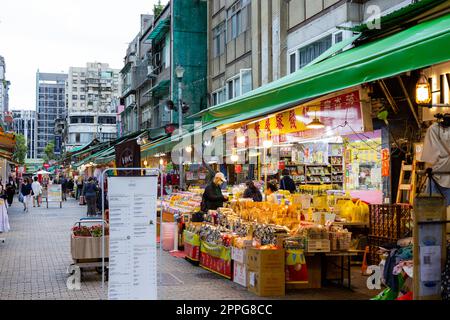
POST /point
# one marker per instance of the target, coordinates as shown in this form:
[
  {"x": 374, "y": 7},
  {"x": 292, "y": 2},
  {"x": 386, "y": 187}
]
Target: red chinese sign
[{"x": 385, "y": 163}]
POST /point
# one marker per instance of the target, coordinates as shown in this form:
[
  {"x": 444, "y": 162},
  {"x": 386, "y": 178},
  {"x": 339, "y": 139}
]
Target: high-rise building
[
  {"x": 92, "y": 98},
  {"x": 50, "y": 105},
  {"x": 4, "y": 88},
  {"x": 25, "y": 123}
]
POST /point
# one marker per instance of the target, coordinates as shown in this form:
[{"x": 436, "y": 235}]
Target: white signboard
[{"x": 132, "y": 246}]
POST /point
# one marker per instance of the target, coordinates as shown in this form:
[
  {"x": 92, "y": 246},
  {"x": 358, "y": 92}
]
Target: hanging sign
[
  {"x": 385, "y": 163},
  {"x": 128, "y": 155},
  {"x": 342, "y": 114},
  {"x": 132, "y": 253}
]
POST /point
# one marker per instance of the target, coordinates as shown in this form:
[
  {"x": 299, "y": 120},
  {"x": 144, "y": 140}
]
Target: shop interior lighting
[
  {"x": 315, "y": 124},
  {"x": 423, "y": 90},
  {"x": 241, "y": 139},
  {"x": 207, "y": 143},
  {"x": 267, "y": 144},
  {"x": 188, "y": 149},
  {"x": 161, "y": 162},
  {"x": 145, "y": 163},
  {"x": 234, "y": 156}
]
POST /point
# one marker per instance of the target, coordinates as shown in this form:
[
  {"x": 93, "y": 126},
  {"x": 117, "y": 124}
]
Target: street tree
[
  {"x": 49, "y": 152},
  {"x": 20, "y": 151}
]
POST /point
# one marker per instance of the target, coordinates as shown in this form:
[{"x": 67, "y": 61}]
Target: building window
[
  {"x": 238, "y": 19},
  {"x": 292, "y": 62},
  {"x": 313, "y": 50},
  {"x": 219, "y": 96},
  {"x": 240, "y": 84},
  {"x": 338, "y": 37},
  {"x": 219, "y": 40},
  {"x": 74, "y": 97}
]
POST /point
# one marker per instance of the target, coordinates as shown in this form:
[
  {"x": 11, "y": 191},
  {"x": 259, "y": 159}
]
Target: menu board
[
  {"x": 132, "y": 247},
  {"x": 54, "y": 194}
]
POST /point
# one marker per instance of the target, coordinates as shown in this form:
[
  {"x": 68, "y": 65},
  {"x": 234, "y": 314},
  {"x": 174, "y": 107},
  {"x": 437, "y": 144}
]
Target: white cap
[{"x": 220, "y": 176}]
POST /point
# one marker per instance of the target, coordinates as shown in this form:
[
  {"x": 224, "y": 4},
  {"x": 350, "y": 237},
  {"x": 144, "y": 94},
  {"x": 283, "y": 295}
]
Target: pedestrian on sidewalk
[
  {"x": 90, "y": 194},
  {"x": 37, "y": 192},
  {"x": 26, "y": 191},
  {"x": 63, "y": 181},
  {"x": 10, "y": 192},
  {"x": 80, "y": 184}
]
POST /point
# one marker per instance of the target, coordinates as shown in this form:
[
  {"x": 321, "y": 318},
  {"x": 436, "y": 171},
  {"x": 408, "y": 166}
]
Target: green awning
[
  {"x": 420, "y": 46},
  {"x": 159, "y": 30}
]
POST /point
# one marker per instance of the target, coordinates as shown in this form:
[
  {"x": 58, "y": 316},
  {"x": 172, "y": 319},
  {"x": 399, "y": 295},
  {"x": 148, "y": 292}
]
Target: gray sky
[{"x": 53, "y": 35}]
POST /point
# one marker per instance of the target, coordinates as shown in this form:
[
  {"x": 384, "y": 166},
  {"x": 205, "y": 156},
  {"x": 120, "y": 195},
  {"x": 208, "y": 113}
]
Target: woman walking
[
  {"x": 90, "y": 194},
  {"x": 10, "y": 192},
  {"x": 26, "y": 192}
]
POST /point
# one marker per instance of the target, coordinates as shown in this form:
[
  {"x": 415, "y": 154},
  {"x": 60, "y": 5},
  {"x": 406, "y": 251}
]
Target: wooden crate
[{"x": 318, "y": 245}]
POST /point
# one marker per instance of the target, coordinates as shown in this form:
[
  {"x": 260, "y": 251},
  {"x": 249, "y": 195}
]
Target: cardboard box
[
  {"x": 266, "y": 260},
  {"x": 266, "y": 284},
  {"x": 239, "y": 255},
  {"x": 83, "y": 248},
  {"x": 240, "y": 273}
]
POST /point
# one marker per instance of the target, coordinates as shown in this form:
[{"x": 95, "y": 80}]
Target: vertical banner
[
  {"x": 58, "y": 145},
  {"x": 128, "y": 155},
  {"x": 132, "y": 248},
  {"x": 385, "y": 163}
]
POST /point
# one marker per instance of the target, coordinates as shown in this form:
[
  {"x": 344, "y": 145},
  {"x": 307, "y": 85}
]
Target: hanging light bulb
[
  {"x": 267, "y": 144},
  {"x": 315, "y": 124},
  {"x": 161, "y": 162},
  {"x": 423, "y": 90},
  {"x": 145, "y": 163},
  {"x": 188, "y": 149},
  {"x": 241, "y": 139},
  {"x": 234, "y": 156}
]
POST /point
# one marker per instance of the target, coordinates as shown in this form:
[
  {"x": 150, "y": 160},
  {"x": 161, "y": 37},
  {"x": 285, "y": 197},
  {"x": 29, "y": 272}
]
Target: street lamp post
[{"x": 180, "y": 73}]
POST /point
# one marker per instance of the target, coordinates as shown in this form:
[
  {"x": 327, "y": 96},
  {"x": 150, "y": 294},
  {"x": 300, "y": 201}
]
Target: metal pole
[{"x": 180, "y": 123}]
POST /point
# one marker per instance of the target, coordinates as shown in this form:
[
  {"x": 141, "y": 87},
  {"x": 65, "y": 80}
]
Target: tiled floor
[{"x": 35, "y": 257}]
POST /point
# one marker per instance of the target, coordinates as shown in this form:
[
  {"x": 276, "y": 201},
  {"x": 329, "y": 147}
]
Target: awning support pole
[
  {"x": 408, "y": 99},
  {"x": 388, "y": 96}
]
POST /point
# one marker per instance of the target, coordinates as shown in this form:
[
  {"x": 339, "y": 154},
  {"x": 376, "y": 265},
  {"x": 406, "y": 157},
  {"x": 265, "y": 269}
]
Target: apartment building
[
  {"x": 92, "y": 98},
  {"x": 25, "y": 123},
  {"x": 50, "y": 105},
  {"x": 176, "y": 37},
  {"x": 255, "y": 42}
]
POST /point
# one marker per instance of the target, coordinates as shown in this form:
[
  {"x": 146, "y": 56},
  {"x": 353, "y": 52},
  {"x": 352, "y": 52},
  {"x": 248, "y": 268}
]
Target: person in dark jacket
[
  {"x": 27, "y": 192},
  {"x": 213, "y": 197},
  {"x": 90, "y": 194},
  {"x": 252, "y": 192},
  {"x": 10, "y": 192},
  {"x": 287, "y": 183}
]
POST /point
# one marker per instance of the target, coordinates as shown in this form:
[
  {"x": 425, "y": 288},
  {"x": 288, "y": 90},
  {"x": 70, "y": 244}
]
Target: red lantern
[
  {"x": 238, "y": 168},
  {"x": 281, "y": 165}
]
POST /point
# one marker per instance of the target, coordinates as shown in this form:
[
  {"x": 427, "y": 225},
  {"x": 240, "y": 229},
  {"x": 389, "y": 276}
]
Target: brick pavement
[{"x": 35, "y": 257}]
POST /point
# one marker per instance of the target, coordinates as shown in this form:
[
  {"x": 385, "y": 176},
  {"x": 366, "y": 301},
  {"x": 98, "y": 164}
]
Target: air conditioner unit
[{"x": 150, "y": 72}]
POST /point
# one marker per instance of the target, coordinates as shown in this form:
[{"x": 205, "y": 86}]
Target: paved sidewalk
[{"x": 35, "y": 257}]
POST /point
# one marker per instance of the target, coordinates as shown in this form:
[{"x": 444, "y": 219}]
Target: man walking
[{"x": 37, "y": 192}]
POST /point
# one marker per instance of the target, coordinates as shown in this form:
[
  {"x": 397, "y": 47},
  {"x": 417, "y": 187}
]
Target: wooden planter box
[{"x": 85, "y": 248}]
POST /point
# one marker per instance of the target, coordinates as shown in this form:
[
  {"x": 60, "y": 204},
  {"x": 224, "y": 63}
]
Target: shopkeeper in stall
[
  {"x": 287, "y": 183},
  {"x": 271, "y": 193},
  {"x": 213, "y": 197},
  {"x": 252, "y": 192}
]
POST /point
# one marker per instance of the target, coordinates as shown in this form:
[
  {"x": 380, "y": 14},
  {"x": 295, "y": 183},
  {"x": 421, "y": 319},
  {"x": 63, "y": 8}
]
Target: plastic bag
[
  {"x": 347, "y": 210},
  {"x": 361, "y": 212},
  {"x": 21, "y": 198}
]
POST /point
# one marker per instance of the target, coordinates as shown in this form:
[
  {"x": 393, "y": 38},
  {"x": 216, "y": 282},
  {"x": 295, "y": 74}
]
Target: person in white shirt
[
  {"x": 436, "y": 152},
  {"x": 271, "y": 193},
  {"x": 37, "y": 192}
]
